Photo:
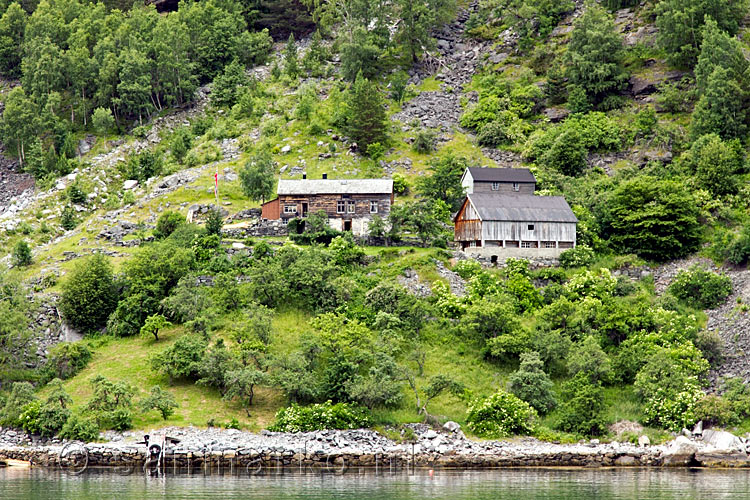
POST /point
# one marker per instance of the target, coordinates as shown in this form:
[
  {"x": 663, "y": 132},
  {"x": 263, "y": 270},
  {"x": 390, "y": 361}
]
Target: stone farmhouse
[
  {"x": 501, "y": 217},
  {"x": 349, "y": 204}
]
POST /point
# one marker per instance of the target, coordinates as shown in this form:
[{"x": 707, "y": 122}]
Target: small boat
[{"x": 10, "y": 462}]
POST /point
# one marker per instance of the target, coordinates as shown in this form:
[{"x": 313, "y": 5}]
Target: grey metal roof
[
  {"x": 522, "y": 208},
  {"x": 335, "y": 186},
  {"x": 501, "y": 174}
]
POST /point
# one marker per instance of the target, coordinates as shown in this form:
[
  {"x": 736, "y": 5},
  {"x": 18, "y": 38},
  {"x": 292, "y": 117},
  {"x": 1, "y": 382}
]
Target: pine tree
[
  {"x": 291, "y": 63},
  {"x": 720, "y": 109},
  {"x": 719, "y": 50},
  {"x": 365, "y": 121}
]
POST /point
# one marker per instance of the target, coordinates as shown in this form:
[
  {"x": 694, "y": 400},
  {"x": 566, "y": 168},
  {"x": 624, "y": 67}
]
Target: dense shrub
[
  {"x": 580, "y": 256},
  {"x": 425, "y": 141},
  {"x": 21, "y": 254},
  {"x": 21, "y": 394},
  {"x": 499, "y": 415},
  {"x": 653, "y": 218},
  {"x": 588, "y": 358},
  {"x": 167, "y": 223},
  {"x": 715, "y": 410},
  {"x": 80, "y": 428},
  {"x": 737, "y": 392},
  {"x": 182, "y": 359},
  {"x": 89, "y": 294},
  {"x": 532, "y": 385},
  {"x": 739, "y": 250},
  {"x": 43, "y": 419},
  {"x": 701, "y": 288},
  {"x": 111, "y": 404},
  {"x": 583, "y": 407},
  {"x": 66, "y": 359},
  {"x": 320, "y": 416}
]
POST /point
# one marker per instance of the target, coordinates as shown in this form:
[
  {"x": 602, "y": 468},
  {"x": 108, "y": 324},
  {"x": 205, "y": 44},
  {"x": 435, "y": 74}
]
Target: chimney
[
  {"x": 325, "y": 176},
  {"x": 304, "y": 176}
]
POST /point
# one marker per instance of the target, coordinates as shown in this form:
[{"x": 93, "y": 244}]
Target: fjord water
[{"x": 526, "y": 484}]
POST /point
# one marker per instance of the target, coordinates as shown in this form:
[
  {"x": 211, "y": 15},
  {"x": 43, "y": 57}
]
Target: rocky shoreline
[{"x": 340, "y": 450}]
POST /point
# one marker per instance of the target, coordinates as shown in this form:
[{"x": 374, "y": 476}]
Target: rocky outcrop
[{"x": 428, "y": 447}]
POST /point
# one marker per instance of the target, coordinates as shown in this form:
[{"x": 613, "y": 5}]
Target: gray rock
[
  {"x": 722, "y": 440},
  {"x": 129, "y": 184},
  {"x": 680, "y": 452},
  {"x": 643, "y": 441},
  {"x": 451, "y": 426},
  {"x": 286, "y": 149}
]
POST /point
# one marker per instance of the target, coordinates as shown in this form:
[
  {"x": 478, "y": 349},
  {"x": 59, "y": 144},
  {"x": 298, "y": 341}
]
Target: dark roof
[
  {"x": 501, "y": 174},
  {"x": 522, "y": 208}
]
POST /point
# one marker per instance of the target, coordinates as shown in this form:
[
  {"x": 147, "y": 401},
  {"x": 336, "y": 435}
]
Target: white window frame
[
  {"x": 516, "y": 186},
  {"x": 549, "y": 244},
  {"x": 373, "y": 207},
  {"x": 496, "y": 186},
  {"x": 351, "y": 207},
  {"x": 526, "y": 244},
  {"x": 290, "y": 209},
  {"x": 340, "y": 207}
]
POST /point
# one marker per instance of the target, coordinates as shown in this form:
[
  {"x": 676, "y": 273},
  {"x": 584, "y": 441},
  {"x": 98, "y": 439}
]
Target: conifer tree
[
  {"x": 720, "y": 110},
  {"x": 291, "y": 63},
  {"x": 365, "y": 122},
  {"x": 595, "y": 52}
]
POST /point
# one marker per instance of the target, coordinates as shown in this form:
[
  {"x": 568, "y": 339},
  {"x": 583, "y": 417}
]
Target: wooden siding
[
  {"x": 519, "y": 231},
  {"x": 468, "y": 227},
  {"x": 270, "y": 210},
  {"x": 504, "y": 188},
  {"x": 328, "y": 203}
]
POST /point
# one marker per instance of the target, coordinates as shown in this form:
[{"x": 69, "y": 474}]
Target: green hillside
[{"x": 121, "y": 119}]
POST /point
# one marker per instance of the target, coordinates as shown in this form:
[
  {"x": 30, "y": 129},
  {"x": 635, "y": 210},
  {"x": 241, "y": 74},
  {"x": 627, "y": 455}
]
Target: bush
[
  {"x": 532, "y": 385},
  {"x": 111, "y": 404},
  {"x": 492, "y": 135},
  {"x": 68, "y": 218},
  {"x": 44, "y": 420},
  {"x": 89, "y": 294},
  {"x": 701, "y": 288},
  {"x": 320, "y": 416},
  {"x": 425, "y": 141},
  {"x": 737, "y": 392},
  {"x": 214, "y": 222},
  {"x": 567, "y": 153},
  {"x": 66, "y": 359},
  {"x": 182, "y": 359},
  {"x": 499, "y": 415},
  {"x": 739, "y": 250},
  {"x": 583, "y": 407},
  {"x": 21, "y": 394},
  {"x": 715, "y": 410},
  {"x": 588, "y": 358},
  {"x": 21, "y": 254},
  {"x": 80, "y": 428},
  {"x": 167, "y": 223},
  {"x": 580, "y": 256}
]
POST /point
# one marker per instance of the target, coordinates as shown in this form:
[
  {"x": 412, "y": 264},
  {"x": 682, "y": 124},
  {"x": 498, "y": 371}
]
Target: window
[
  {"x": 531, "y": 227},
  {"x": 528, "y": 244},
  {"x": 548, "y": 244},
  {"x": 516, "y": 186},
  {"x": 496, "y": 186},
  {"x": 340, "y": 206},
  {"x": 350, "y": 207},
  {"x": 373, "y": 207},
  {"x": 290, "y": 209}
]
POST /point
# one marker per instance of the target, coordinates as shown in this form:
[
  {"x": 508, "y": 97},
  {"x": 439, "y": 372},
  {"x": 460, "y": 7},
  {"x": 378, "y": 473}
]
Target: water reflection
[{"x": 521, "y": 483}]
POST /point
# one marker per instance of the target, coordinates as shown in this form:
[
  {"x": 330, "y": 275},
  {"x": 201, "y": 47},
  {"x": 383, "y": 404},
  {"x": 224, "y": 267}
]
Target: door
[
  {"x": 304, "y": 209},
  {"x": 347, "y": 225}
]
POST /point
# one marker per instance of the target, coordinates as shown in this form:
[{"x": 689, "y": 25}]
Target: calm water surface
[{"x": 566, "y": 484}]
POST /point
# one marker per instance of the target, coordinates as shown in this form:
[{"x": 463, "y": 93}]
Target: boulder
[
  {"x": 722, "y": 440},
  {"x": 129, "y": 184},
  {"x": 680, "y": 452},
  {"x": 451, "y": 426},
  {"x": 286, "y": 149},
  {"x": 556, "y": 114}
]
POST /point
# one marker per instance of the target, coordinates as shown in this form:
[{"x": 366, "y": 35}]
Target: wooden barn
[
  {"x": 515, "y": 225},
  {"x": 349, "y": 204},
  {"x": 498, "y": 180}
]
